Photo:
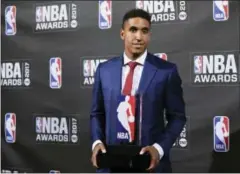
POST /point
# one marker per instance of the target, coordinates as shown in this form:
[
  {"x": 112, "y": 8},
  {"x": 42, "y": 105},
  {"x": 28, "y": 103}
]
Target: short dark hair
[{"x": 134, "y": 13}]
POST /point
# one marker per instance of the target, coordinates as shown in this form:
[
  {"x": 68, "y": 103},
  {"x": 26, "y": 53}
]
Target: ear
[{"x": 122, "y": 34}]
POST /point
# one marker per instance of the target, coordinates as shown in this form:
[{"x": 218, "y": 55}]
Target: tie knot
[{"x": 132, "y": 65}]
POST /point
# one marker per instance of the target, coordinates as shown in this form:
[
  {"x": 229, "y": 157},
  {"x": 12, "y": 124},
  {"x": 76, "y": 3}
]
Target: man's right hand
[{"x": 97, "y": 148}]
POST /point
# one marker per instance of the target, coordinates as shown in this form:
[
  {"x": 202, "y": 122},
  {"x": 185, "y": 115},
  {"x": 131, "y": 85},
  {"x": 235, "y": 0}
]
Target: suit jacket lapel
[
  {"x": 148, "y": 73},
  {"x": 116, "y": 76}
]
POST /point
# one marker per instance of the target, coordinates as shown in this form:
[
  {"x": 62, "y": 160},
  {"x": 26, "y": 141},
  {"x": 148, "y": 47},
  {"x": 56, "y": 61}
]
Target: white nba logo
[
  {"x": 139, "y": 4},
  {"x": 198, "y": 62},
  {"x": 86, "y": 68}
]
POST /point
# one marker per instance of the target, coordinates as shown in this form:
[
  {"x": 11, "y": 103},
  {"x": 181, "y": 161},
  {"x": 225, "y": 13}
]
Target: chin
[
  {"x": 136, "y": 54},
  {"x": 136, "y": 51}
]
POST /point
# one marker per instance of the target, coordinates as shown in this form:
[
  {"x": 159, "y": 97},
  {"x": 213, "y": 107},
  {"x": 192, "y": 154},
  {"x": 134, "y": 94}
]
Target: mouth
[{"x": 138, "y": 45}]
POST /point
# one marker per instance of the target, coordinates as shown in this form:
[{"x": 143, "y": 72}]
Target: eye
[
  {"x": 145, "y": 31},
  {"x": 133, "y": 29}
]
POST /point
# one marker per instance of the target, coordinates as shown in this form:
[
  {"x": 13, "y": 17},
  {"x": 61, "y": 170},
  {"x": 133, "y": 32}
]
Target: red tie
[
  {"x": 129, "y": 80},
  {"x": 127, "y": 91}
]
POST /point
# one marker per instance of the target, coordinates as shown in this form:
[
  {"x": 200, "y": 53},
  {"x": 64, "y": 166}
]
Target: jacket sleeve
[
  {"x": 175, "y": 111},
  {"x": 97, "y": 114}
]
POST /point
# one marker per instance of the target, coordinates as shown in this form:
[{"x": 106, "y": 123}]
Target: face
[{"x": 136, "y": 36}]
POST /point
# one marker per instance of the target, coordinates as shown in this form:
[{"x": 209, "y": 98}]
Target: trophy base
[{"x": 123, "y": 156}]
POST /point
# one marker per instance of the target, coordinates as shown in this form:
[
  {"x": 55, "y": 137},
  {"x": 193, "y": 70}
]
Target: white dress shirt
[{"x": 136, "y": 80}]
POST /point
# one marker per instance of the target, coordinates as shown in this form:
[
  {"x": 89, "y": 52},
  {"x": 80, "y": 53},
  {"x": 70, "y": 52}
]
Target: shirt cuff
[
  {"x": 95, "y": 143},
  {"x": 159, "y": 149}
]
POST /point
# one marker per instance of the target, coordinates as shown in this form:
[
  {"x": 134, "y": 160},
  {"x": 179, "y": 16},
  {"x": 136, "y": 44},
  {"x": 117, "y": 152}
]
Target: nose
[{"x": 138, "y": 35}]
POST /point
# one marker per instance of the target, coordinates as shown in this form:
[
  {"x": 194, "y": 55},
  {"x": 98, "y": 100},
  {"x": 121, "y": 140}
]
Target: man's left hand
[{"x": 155, "y": 158}]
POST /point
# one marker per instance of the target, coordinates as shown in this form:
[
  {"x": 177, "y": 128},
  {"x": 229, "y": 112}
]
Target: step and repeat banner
[{"x": 50, "y": 52}]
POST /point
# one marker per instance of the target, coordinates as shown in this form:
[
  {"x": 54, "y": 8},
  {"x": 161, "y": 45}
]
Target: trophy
[{"x": 125, "y": 143}]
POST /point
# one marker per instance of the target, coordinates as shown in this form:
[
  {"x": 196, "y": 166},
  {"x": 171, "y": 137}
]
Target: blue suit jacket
[{"x": 160, "y": 86}]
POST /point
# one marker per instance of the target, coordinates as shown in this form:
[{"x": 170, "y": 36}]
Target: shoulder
[
  {"x": 110, "y": 62},
  {"x": 161, "y": 64}
]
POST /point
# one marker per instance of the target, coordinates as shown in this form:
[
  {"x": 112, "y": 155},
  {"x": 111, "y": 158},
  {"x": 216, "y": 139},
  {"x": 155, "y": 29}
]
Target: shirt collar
[{"x": 139, "y": 60}]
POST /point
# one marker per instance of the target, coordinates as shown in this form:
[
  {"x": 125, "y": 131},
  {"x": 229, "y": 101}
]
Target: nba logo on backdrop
[
  {"x": 161, "y": 55},
  {"x": 56, "y": 16},
  {"x": 55, "y": 68},
  {"x": 198, "y": 64},
  {"x": 10, "y": 127},
  {"x": 215, "y": 68},
  {"x": 105, "y": 14},
  {"x": 221, "y": 133},
  {"x": 165, "y": 11},
  {"x": 89, "y": 67},
  {"x": 10, "y": 20},
  {"x": 57, "y": 129},
  {"x": 220, "y": 10},
  {"x": 39, "y": 125}
]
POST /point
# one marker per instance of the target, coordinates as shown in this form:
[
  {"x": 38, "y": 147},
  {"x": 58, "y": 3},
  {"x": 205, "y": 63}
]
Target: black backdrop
[{"x": 80, "y": 47}]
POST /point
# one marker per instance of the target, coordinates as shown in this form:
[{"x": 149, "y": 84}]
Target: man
[{"x": 138, "y": 71}]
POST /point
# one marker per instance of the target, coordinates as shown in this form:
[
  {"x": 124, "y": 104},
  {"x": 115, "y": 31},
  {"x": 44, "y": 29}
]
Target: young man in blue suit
[{"x": 138, "y": 71}]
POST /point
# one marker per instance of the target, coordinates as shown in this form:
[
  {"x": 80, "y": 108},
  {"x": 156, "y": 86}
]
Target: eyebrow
[{"x": 134, "y": 27}]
